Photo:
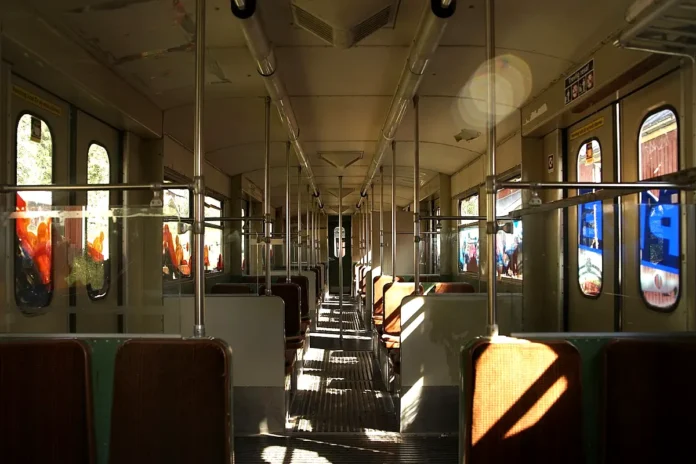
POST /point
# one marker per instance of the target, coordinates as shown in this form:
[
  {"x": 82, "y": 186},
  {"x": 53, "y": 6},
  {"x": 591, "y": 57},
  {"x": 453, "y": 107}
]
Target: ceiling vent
[{"x": 344, "y": 23}]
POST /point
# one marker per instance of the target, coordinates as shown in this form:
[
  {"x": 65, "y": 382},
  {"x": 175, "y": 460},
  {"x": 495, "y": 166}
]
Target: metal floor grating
[
  {"x": 331, "y": 449},
  {"x": 341, "y": 391}
]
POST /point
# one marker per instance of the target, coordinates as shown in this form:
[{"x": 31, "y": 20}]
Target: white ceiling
[{"x": 340, "y": 97}]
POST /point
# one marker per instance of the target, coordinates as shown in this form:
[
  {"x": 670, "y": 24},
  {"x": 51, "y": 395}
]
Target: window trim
[
  {"x": 577, "y": 214},
  {"x": 652, "y": 111},
  {"x": 474, "y": 192},
  {"x": 100, "y": 294},
  {"x": 53, "y": 236}
]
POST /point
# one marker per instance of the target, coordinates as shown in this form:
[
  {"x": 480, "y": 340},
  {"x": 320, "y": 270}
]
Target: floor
[{"x": 342, "y": 412}]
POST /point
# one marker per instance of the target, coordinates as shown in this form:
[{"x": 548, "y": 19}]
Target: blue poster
[
  {"x": 590, "y": 246},
  {"x": 659, "y": 241}
]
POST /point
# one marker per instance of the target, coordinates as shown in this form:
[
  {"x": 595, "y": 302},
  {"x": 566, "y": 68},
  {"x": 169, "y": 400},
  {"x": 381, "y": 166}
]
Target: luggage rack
[{"x": 664, "y": 26}]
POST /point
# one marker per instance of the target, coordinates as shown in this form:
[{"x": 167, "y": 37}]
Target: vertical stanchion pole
[
  {"x": 393, "y": 213},
  {"x": 416, "y": 198},
  {"x": 308, "y": 252},
  {"x": 370, "y": 225},
  {"x": 267, "y": 194},
  {"x": 288, "y": 237},
  {"x": 311, "y": 246},
  {"x": 199, "y": 182},
  {"x": 299, "y": 220},
  {"x": 381, "y": 221},
  {"x": 491, "y": 223},
  {"x": 340, "y": 254}
]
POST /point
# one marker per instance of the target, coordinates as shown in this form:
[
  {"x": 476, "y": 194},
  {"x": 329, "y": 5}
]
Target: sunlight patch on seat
[{"x": 540, "y": 408}]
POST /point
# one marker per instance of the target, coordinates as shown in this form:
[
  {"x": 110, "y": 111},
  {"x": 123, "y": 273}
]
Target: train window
[
  {"x": 97, "y": 224},
  {"x": 589, "y": 169},
  {"x": 336, "y": 240},
  {"x": 509, "y": 246},
  {"x": 660, "y": 236},
  {"x": 213, "y": 235},
  {"x": 469, "y": 235},
  {"x": 33, "y": 261},
  {"x": 177, "y": 236},
  {"x": 243, "y": 238}
]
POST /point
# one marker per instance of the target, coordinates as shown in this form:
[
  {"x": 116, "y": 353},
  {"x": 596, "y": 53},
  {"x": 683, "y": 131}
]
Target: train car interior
[{"x": 462, "y": 227}]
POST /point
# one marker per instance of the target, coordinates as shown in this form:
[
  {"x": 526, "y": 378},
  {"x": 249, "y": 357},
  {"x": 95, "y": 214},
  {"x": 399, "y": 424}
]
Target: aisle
[{"x": 341, "y": 391}]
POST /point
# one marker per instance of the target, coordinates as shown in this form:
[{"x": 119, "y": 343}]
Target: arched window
[
  {"x": 33, "y": 237},
  {"x": 337, "y": 238},
  {"x": 509, "y": 246},
  {"x": 213, "y": 235},
  {"x": 660, "y": 234},
  {"x": 590, "y": 273},
  {"x": 469, "y": 235},
  {"x": 97, "y": 223},
  {"x": 177, "y": 234}
]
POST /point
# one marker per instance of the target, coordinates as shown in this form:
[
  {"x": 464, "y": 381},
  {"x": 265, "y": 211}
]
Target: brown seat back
[
  {"x": 171, "y": 403},
  {"x": 303, "y": 282},
  {"x": 378, "y": 293},
  {"x": 649, "y": 402},
  {"x": 363, "y": 280},
  {"x": 523, "y": 403},
  {"x": 393, "y": 295},
  {"x": 290, "y": 294},
  {"x": 46, "y": 412},
  {"x": 231, "y": 289},
  {"x": 453, "y": 287}
]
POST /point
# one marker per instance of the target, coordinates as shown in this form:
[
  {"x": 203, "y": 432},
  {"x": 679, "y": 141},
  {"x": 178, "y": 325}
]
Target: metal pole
[
  {"x": 299, "y": 221},
  {"x": 370, "y": 226},
  {"x": 381, "y": 221},
  {"x": 491, "y": 223},
  {"x": 340, "y": 254},
  {"x": 654, "y": 185},
  {"x": 416, "y": 198},
  {"x": 288, "y": 238},
  {"x": 393, "y": 212},
  {"x": 308, "y": 252},
  {"x": 267, "y": 195},
  {"x": 87, "y": 187},
  {"x": 199, "y": 182}
]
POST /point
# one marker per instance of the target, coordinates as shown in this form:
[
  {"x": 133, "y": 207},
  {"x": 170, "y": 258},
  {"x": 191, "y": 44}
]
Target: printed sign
[
  {"x": 580, "y": 82},
  {"x": 550, "y": 163},
  {"x": 586, "y": 129},
  {"x": 35, "y": 135},
  {"x": 36, "y": 100}
]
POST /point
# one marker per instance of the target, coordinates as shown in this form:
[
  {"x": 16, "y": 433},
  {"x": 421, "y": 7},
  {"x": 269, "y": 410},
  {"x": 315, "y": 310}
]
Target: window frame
[
  {"x": 577, "y": 245},
  {"x": 16, "y": 237},
  {"x": 473, "y": 192},
  {"x": 100, "y": 294},
  {"x": 648, "y": 114},
  {"x": 174, "y": 178}
]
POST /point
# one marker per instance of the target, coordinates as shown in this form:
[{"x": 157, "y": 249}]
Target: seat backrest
[
  {"x": 453, "y": 287},
  {"x": 363, "y": 279},
  {"x": 650, "y": 409},
  {"x": 523, "y": 403},
  {"x": 290, "y": 293},
  {"x": 231, "y": 289},
  {"x": 317, "y": 281},
  {"x": 378, "y": 293},
  {"x": 393, "y": 295},
  {"x": 46, "y": 412},
  {"x": 303, "y": 282},
  {"x": 171, "y": 402}
]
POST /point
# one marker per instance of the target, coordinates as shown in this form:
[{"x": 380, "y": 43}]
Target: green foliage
[{"x": 34, "y": 159}]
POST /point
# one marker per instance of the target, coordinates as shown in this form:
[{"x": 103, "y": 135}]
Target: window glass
[
  {"x": 97, "y": 223},
  {"x": 243, "y": 239},
  {"x": 213, "y": 236},
  {"x": 509, "y": 246},
  {"x": 590, "y": 220},
  {"x": 33, "y": 238},
  {"x": 660, "y": 249},
  {"x": 469, "y": 235},
  {"x": 337, "y": 238},
  {"x": 177, "y": 236}
]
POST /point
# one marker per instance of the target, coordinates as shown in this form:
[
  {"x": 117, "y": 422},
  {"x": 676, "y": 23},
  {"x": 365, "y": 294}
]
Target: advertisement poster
[{"x": 659, "y": 243}]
